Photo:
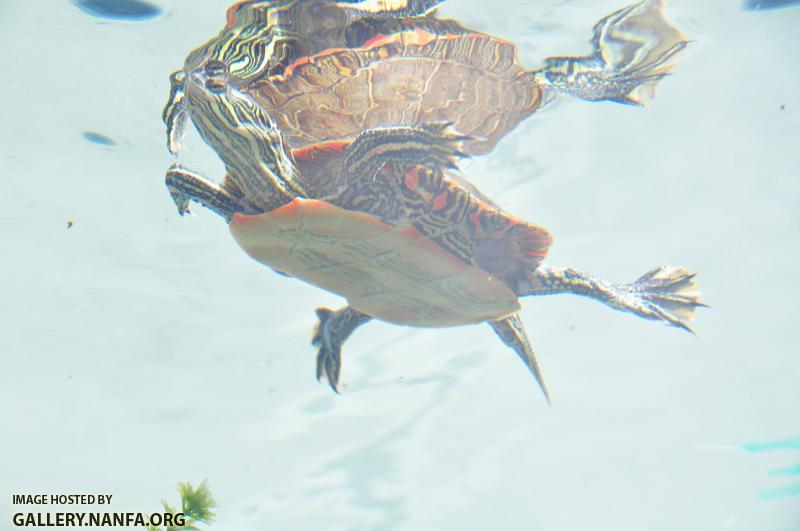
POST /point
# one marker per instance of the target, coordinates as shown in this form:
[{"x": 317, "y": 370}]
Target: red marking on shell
[
  {"x": 535, "y": 242},
  {"x": 411, "y": 233},
  {"x": 242, "y": 219},
  {"x": 440, "y": 201},
  {"x": 309, "y": 59},
  {"x": 377, "y": 38},
  {"x": 417, "y": 36},
  {"x": 230, "y": 18},
  {"x": 289, "y": 214},
  {"x": 321, "y": 149},
  {"x": 412, "y": 178},
  {"x": 475, "y": 218}
]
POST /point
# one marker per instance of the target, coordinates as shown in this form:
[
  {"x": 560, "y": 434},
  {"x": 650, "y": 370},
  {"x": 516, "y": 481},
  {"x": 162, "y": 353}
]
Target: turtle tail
[
  {"x": 511, "y": 332},
  {"x": 633, "y": 51}
]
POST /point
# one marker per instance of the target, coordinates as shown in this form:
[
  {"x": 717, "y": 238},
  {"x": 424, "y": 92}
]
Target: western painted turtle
[
  {"x": 344, "y": 70},
  {"x": 387, "y": 222}
]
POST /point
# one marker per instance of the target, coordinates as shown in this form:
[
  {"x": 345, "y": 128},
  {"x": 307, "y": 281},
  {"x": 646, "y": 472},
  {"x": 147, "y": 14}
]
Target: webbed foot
[
  {"x": 330, "y": 333},
  {"x": 329, "y": 356},
  {"x": 664, "y": 293},
  {"x": 633, "y": 48}
]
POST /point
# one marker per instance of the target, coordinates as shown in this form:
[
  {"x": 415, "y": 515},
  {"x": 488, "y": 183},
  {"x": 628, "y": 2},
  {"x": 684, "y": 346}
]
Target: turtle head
[
  {"x": 248, "y": 52},
  {"x": 257, "y": 50},
  {"x": 263, "y": 37},
  {"x": 244, "y": 136},
  {"x": 215, "y": 76},
  {"x": 227, "y": 118}
]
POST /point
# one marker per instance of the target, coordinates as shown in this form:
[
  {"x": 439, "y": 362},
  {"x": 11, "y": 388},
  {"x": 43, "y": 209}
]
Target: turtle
[
  {"x": 349, "y": 69},
  {"x": 387, "y": 221},
  {"x": 262, "y": 37}
]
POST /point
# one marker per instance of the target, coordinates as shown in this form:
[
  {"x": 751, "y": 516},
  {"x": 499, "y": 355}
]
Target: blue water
[
  {"x": 758, "y": 5},
  {"x": 99, "y": 139},
  {"x": 788, "y": 444},
  {"x": 119, "y": 9},
  {"x": 785, "y": 447},
  {"x": 140, "y": 349}
]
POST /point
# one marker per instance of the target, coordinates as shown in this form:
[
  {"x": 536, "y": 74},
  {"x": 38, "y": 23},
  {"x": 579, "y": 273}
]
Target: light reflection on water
[{"x": 141, "y": 349}]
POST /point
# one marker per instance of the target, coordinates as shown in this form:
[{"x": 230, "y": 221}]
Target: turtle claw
[
  {"x": 329, "y": 356},
  {"x": 184, "y": 186},
  {"x": 329, "y": 362},
  {"x": 666, "y": 294},
  {"x": 332, "y": 330},
  {"x": 181, "y": 202},
  {"x": 180, "y": 198}
]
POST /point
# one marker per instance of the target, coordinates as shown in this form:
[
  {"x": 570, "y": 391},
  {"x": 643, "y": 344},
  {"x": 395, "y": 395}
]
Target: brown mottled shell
[{"x": 471, "y": 80}]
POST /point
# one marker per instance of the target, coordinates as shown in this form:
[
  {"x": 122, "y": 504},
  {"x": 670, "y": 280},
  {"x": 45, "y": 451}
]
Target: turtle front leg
[
  {"x": 664, "y": 293},
  {"x": 184, "y": 185},
  {"x": 175, "y": 113},
  {"x": 332, "y": 330},
  {"x": 430, "y": 144},
  {"x": 512, "y": 333},
  {"x": 633, "y": 49}
]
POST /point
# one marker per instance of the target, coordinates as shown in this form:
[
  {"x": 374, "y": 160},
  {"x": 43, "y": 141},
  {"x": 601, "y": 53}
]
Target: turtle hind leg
[
  {"x": 330, "y": 333},
  {"x": 633, "y": 50},
  {"x": 184, "y": 185},
  {"x": 512, "y": 333},
  {"x": 665, "y": 293}
]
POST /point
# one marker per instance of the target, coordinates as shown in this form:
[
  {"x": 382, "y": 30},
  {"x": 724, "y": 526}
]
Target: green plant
[{"x": 196, "y": 507}]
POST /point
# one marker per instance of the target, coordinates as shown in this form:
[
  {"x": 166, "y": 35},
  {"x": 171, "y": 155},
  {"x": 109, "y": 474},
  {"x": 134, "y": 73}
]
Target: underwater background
[{"x": 140, "y": 348}]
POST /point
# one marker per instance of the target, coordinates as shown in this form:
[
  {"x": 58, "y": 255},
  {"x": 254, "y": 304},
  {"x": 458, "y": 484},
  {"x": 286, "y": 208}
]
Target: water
[{"x": 141, "y": 349}]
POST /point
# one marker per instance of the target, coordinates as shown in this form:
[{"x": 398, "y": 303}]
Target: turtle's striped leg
[
  {"x": 431, "y": 144},
  {"x": 174, "y": 114},
  {"x": 332, "y": 330},
  {"x": 633, "y": 47},
  {"x": 185, "y": 185},
  {"x": 664, "y": 293},
  {"x": 513, "y": 335}
]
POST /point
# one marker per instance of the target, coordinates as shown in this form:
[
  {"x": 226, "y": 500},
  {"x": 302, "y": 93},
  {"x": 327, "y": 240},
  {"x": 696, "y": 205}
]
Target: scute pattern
[
  {"x": 442, "y": 210},
  {"x": 338, "y": 93},
  {"x": 389, "y": 271}
]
